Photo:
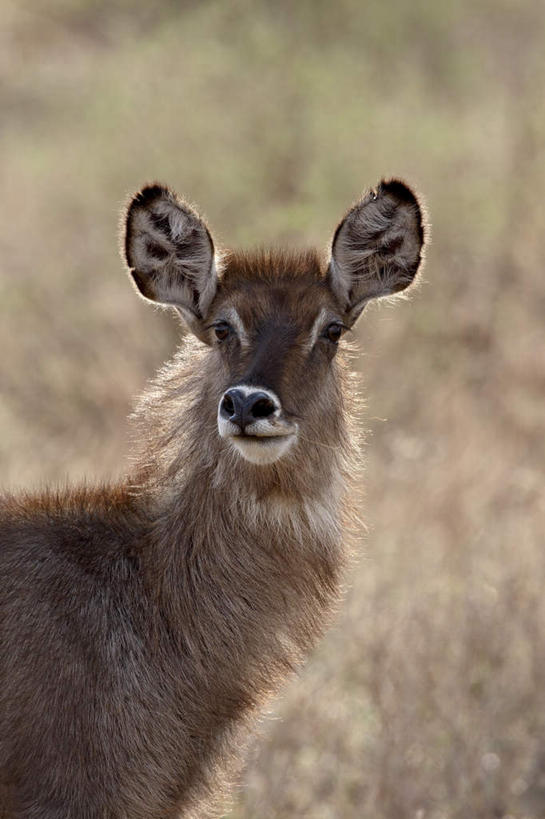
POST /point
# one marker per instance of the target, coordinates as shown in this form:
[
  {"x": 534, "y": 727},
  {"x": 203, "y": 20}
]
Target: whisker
[{"x": 318, "y": 443}]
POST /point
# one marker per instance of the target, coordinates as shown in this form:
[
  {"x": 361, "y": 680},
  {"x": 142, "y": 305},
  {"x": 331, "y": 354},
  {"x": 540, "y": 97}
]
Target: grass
[{"x": 428, "y": 698}]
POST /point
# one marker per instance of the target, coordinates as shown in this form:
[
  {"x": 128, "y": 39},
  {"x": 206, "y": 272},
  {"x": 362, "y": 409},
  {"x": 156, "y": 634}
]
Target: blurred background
[{"x": 427, "y": 700}]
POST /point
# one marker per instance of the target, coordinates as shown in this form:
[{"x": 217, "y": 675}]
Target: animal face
[
  {"x": 276, "y": 327},
  {"x": 273, "y": 320}
]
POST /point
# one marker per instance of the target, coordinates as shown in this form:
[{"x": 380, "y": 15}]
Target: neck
[{"x": 242, "y": 556}]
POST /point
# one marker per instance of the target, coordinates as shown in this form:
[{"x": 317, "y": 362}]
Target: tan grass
[{"x": 428, "y": 698}]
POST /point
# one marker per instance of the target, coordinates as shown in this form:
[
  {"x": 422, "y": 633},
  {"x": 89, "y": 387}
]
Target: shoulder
[{"x": 81, "y": 529}]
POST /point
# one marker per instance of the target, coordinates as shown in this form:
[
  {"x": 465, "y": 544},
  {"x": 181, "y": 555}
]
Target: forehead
[{"x": 275, "y": 285}]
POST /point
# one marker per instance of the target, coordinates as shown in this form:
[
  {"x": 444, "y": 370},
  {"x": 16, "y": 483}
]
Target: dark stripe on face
[{"x": 273, "y": 342}]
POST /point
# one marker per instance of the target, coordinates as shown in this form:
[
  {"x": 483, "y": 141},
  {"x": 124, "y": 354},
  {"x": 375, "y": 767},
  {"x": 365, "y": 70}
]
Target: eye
[
  {"x": 333, "y": 331},
  {"x": 222, "y": 330}
]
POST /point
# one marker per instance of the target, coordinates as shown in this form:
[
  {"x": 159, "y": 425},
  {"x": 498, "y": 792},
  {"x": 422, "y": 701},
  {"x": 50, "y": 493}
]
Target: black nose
[{"x": 243, "y": 409}]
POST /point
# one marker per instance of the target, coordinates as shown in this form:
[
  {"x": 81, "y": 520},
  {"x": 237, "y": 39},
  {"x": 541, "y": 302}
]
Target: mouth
[{"x": 262, "y": 449}]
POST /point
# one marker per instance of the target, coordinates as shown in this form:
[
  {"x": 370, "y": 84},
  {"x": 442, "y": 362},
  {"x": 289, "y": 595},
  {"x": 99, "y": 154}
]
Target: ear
[
  {"x": 170, "y": 253},
  {"x": 377, "y": 248}
]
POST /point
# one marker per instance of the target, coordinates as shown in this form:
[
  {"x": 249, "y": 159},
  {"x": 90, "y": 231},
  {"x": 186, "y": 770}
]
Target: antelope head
[{"x": 273, "y": 320}]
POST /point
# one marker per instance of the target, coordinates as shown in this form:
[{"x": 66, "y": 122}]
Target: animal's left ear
[{"x": 377, "y": 248}]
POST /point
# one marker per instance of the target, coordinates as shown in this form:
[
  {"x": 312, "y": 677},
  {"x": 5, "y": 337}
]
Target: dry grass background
[{"x": 428, "y": 698}]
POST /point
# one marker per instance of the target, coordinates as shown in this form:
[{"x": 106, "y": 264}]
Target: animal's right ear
[{"x": 170, "y": 253}]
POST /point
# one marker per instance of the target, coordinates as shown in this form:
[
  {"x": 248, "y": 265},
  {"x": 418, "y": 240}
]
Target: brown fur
[{"x": 143, "y": 625}]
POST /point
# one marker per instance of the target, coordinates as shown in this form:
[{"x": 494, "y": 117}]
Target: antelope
[{"x": 145, "y": 624}]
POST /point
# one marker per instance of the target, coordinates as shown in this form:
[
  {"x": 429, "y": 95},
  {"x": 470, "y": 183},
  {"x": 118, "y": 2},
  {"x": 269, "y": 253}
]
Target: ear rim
[
  {"x": 144, "y": 198},
  {"x": 405, "y": 193}
]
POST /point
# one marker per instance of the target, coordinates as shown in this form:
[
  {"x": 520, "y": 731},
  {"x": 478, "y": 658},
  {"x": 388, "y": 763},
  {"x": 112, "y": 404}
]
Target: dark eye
[
  {"x": 222, "y": 330},
  {"x": 333, "y": 332}
]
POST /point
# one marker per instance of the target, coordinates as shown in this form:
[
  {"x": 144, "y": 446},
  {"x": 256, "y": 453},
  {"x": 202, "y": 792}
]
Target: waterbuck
[{"x": 143, "y": 624}]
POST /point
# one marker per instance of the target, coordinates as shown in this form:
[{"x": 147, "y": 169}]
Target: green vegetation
[{"x": 428, "y": 699}]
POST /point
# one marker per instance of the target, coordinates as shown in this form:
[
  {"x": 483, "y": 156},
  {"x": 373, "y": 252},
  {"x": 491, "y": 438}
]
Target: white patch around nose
[{"x": 265, "y": 439}]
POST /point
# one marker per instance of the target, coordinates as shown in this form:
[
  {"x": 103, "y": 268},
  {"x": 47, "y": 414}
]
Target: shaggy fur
[{"x": 143, "y": 626}]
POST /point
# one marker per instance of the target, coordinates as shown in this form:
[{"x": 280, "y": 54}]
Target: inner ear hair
[
  {"x": 377, "y": 248},
  {"x": 169, "y": 251}
]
